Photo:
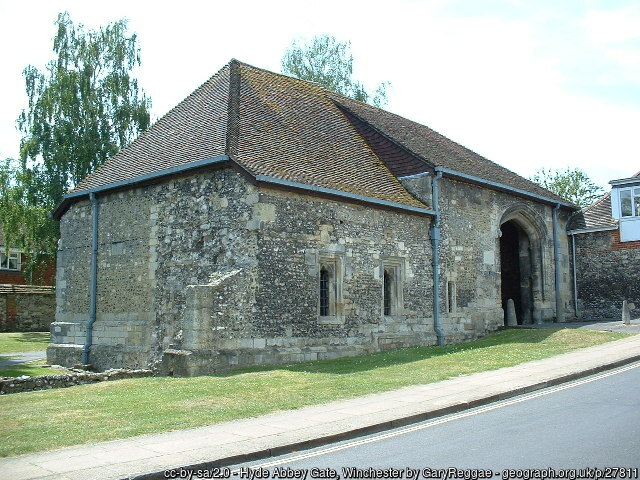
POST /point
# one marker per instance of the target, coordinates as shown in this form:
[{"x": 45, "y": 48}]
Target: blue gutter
[
  {"x": 151, "y": 176},
  {"x": 341, "y": 194},
  {"x": 434, "y": 233},
  {"x": 502, "y": 186},
  {"x": 94, "y": 279}
]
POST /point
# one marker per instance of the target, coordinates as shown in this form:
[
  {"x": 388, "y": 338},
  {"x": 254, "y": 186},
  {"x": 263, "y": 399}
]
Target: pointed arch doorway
[{"x": 521, "y": 234}]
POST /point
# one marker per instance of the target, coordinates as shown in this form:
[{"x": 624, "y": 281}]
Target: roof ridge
[{"x": 233, "y": 109}]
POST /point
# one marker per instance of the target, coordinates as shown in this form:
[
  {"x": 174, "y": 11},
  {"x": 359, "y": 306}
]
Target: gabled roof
[
  {"x": 595, "y": 216},
  {"x": 271, "y": 126}
]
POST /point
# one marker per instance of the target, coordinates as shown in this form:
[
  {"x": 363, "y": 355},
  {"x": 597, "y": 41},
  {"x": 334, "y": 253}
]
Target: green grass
[
  {"x": 30, "y": 369},
  {"x": 24, "y": 342},
  {"x": 43, "y": 420}
]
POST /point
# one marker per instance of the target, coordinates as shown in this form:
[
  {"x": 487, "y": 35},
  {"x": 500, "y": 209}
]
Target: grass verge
[
  {"x": 43, "y": 420},
  {"x": 24, "y": 341},
  {"x": 31, "y": 369}
]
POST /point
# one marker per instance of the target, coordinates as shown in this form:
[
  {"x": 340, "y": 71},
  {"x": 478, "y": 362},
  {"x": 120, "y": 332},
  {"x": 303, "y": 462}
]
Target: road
[{"x": 594, "y": 422}]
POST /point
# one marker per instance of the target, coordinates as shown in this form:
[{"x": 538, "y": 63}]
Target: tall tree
[
  {"x": 328, "y": 62},
  {"x": 83, "y": 108},
  {"x": 572, "y": 184}
]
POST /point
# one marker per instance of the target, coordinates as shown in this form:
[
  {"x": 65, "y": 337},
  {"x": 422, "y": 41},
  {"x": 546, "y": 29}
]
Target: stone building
[
  {"x": 267, "y": 220},
  {"x": 605, "y": 241}
]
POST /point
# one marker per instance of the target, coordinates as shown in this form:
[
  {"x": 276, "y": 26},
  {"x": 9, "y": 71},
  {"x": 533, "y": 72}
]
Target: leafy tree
[
  {"x": 25, "y": 223},
  {"x": 328, "y": 62},
  {"x": 572, "y": 184},
  {"x": 83, "y": 108}
]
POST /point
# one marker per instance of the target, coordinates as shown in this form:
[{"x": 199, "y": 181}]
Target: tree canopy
[
  {"x": 329, "y": 62},
  {"x": 572, "y": 184},
  {"x": 83, "y": 108}
]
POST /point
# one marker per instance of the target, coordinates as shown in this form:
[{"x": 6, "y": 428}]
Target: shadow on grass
[
  {"x": 361, "y": 363},
  {"x": 34, "y": 337}
]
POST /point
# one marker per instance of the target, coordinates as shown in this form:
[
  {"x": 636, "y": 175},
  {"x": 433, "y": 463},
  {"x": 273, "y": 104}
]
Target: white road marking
[{"x": 440, "y": 421}]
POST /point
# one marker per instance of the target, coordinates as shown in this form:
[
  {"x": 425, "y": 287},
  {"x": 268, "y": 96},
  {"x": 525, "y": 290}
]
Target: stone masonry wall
[
  {"x": 607, "y": 274},
  {"x": 292, "y": 235},
  {"x": 153, "y": 243},
  {"x": 208, "y": 272},
  {"x": 470, "y": 256},
  {"x": 25, "y": 308}
]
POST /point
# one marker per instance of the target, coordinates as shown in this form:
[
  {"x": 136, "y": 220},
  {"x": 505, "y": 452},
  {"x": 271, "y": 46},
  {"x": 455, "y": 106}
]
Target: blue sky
[{"x": 526, "y": 83}]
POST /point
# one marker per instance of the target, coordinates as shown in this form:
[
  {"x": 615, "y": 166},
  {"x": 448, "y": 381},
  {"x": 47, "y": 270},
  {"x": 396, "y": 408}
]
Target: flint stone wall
[
  {"x": 470, "y": 256},
  {"x": 607, "y": 274},
  {"x": 26, "y": 308},
  {"x": 209, "y": 272},
  {"x": 46, "y": 382}
]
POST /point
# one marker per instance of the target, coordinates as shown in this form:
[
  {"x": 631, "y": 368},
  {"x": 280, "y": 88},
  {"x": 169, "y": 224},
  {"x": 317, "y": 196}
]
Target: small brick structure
[{"x": 26, "y": 308}]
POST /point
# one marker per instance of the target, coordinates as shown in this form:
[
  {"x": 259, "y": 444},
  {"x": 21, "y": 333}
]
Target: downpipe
[
  {"x": 556, "y": 253},
  {"x": 94, "y": 279},
  {"x": 434, "y": 233}
]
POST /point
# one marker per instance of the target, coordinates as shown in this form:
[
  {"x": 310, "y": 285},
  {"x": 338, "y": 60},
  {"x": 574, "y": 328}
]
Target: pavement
[
  {"x": 16, "y": 358},
  {"x": 230, "y": 443}
]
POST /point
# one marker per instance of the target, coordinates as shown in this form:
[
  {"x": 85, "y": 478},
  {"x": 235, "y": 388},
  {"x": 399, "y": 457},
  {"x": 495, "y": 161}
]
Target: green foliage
[
  {"x": 82, "y": 109},
  {"x": 25, "y": 218},
  {"x": 328, "y": 62},
  {"x": 572, "y": 184}
]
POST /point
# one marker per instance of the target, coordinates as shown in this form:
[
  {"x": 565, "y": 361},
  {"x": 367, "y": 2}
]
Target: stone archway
[{"x": 521, "y": 238}]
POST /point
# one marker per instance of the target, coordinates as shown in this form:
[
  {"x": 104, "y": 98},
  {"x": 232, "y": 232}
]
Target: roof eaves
[
  {"x": 578, "y": 231},
  {"x": 505, "y": 188},
  {"x": 70, "y": 198}
]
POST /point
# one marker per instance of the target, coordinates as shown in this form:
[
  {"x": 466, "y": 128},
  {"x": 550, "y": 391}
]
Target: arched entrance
[{"x": 521, "y": 233}]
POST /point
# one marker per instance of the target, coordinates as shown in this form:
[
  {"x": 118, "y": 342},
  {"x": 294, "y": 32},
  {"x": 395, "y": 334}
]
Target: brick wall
[{"x": 25, "y": 308}]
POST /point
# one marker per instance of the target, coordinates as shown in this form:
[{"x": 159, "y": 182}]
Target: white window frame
[
  {"x": 634, "y": 193},
  {"x": 5, "y": 260}
]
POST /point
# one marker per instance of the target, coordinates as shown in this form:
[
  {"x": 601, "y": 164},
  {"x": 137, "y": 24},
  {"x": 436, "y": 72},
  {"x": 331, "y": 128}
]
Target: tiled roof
[
  {"x": 276, "y": 126},
  {"x": 438, "y": 150},
  {"x": 195, "y": 129},
  {"x": 598, "y": 214}
]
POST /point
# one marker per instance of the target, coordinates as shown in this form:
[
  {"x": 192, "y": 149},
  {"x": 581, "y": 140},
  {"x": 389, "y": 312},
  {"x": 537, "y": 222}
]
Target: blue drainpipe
[
  {"x": 94, "y": 279},
  {"x": 434, "y": 232},
  {"x": 556, "y": 253}
]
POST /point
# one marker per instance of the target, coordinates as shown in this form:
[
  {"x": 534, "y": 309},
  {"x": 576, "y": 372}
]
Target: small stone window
[
  {"x": 11, "y": 261},
  {"x": 329, "y": 289},
  {"x": 387, "y": 291},
  {"x": 325, "y": 292},
  {"x": 391, "y": 287}
]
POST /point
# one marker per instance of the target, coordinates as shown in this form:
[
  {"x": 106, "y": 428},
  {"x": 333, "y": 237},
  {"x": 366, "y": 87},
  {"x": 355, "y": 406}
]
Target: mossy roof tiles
[{"x": 277, "y": 126}]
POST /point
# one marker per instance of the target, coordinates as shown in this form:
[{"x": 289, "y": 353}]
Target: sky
[{"x": 528, "y": 84}]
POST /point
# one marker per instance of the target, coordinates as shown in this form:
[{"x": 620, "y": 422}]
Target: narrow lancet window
[
  {"x": 324, "y": 292},
  {"x": 387, "y": 292}
]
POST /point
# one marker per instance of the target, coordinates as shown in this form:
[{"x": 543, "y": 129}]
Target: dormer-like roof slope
[
  {"x": 271, "y": 126},
  {"x": 438, "y": 150}
]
